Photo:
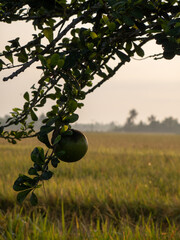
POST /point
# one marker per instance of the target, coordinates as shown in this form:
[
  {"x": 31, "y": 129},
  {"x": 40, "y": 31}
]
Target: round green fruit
[{"x": 71, "y": 148}]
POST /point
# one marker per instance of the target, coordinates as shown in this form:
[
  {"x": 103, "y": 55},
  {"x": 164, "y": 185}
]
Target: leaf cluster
[{"x": 37, "y": 175}]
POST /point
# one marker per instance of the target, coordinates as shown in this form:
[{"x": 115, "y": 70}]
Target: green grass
[{"x": 126, "y": 187}]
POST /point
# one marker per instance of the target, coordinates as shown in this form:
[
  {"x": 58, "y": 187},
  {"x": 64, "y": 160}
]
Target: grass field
[{"x": 126, "y": 187}]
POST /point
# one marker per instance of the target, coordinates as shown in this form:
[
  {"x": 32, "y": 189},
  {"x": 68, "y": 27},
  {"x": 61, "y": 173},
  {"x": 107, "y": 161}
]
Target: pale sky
[{"x": 149, "y": 86}]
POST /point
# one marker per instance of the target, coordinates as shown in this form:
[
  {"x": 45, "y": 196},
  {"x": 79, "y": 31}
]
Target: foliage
[{"x": 75, "y": 42}]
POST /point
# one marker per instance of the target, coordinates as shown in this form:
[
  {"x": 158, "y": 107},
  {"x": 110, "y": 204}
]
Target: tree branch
[
  {"x": 106, "y": 78},
  {"x": 63, "y": 33},
  {"x": 151, "y": 56},
  {"x": 115, "y": 69},
  {"x": 33, "y": 42}
]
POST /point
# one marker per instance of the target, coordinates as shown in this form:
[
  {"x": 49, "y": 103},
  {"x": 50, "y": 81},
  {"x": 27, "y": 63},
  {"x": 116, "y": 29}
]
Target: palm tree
[{"x": 132, "y": 115}]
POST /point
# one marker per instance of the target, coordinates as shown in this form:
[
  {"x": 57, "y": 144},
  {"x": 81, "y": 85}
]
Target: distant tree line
[{"x": 167, "y": 125}]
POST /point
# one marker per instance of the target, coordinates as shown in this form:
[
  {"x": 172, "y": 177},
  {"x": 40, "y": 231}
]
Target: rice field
[{"x": 126, "y": 187}]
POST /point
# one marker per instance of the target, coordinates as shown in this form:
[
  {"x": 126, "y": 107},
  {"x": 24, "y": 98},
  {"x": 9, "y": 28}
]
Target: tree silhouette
[
  {"x": 132, "y": 116},
  {"x": 151, "y": 119},
  {"x": 170, "y": 123}
]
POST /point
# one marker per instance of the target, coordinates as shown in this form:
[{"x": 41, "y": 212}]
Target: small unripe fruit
[{"x": 71, "y": 148}]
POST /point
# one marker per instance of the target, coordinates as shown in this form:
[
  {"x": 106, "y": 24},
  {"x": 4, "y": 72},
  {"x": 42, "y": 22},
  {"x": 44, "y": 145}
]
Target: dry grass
[{"x": 127, "y": 187}]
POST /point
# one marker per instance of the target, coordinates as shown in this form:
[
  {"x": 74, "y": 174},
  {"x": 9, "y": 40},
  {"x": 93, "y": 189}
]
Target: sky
[{"x": 149, "y": 86}]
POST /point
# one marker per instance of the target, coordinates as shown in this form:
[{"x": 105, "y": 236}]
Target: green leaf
[
  {"x": 37, "y": 155},
  {"x": 92, "y": 56},
  {"x": 19, "y": 134},
  {"x": 7, "y": 48},
  {"x": 72, "y": 59},
  {"x": 1, "y": 64},
  {"x": 110, "y": 71},
  {"x": 102, "y": 74},
  {"x": 26, "y": 96},
  {"x": 47, "y": 175},
  {"x": 90, "y": 46},
  {"x": 22, "y": 195},
  {"x": 32, "y": 171},
  {"x": 52, "y": 120},
  {"x": 20, "y": 187},
  {"x": 34, "y": 116},
  {"x": 64, "y": 128},
  {"x": 44, "y": 139},
  {"x": 60, "y": 63},
  {"x": 48, "y": 33},
  {"x": 80, "y": 105},
  {"x": 71, "y": 119},
  {"x": 93, "y": 35},
  {"x": 55, "y": 110},
  {"x": 72, "y": 105},
  {"x": 42, "y": 102},
  {"x": 123, "y": 57},
  {"x": 50, "y": 21},
  {"x": 51, "y": 96},
  {"x": 128, "y": 46},
  {"x": 13, "y": 141},
  {"x": 9, "y": 57},
  {"x": 37, "y": 167},
  {"x": 22, "y": 56},
  {"x": 54, "y": 59},
  {"x": 62, "y": 97},
  {"x": 139, "y": 50},
  {"x": 42, "y": 59},
  {"x": 26, "y": 106},
  {"x": 59, "y": 154},
  {"x": 105, "y": 19},
  {"x": 33, "y": 199},
  {"x": 55, "y": 161},
  {"x": 23, "y": 179},
  {"x": 128, "y": 21},
  {"x": 57, "y": 139},
  {"x": 111, "y": 26},
  {"x": 14, "y": 42},
  {"x": 46, "y": 129},
  {"x": 16, "y": 110}
]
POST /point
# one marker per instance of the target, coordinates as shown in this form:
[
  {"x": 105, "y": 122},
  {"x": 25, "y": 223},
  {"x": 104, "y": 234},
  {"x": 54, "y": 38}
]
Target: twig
[
  {"x": 33, "y": 42},
  {"x": 33, "y": 103},
  {"x": 106, "y": 78},
  {"x": 71, "y": 25},
  {"x": 20, "y": 70},
  {"x": 151, "y": 56},
  {"x": 116, "y": 68},
  {"x": 12, "y": 66}
]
